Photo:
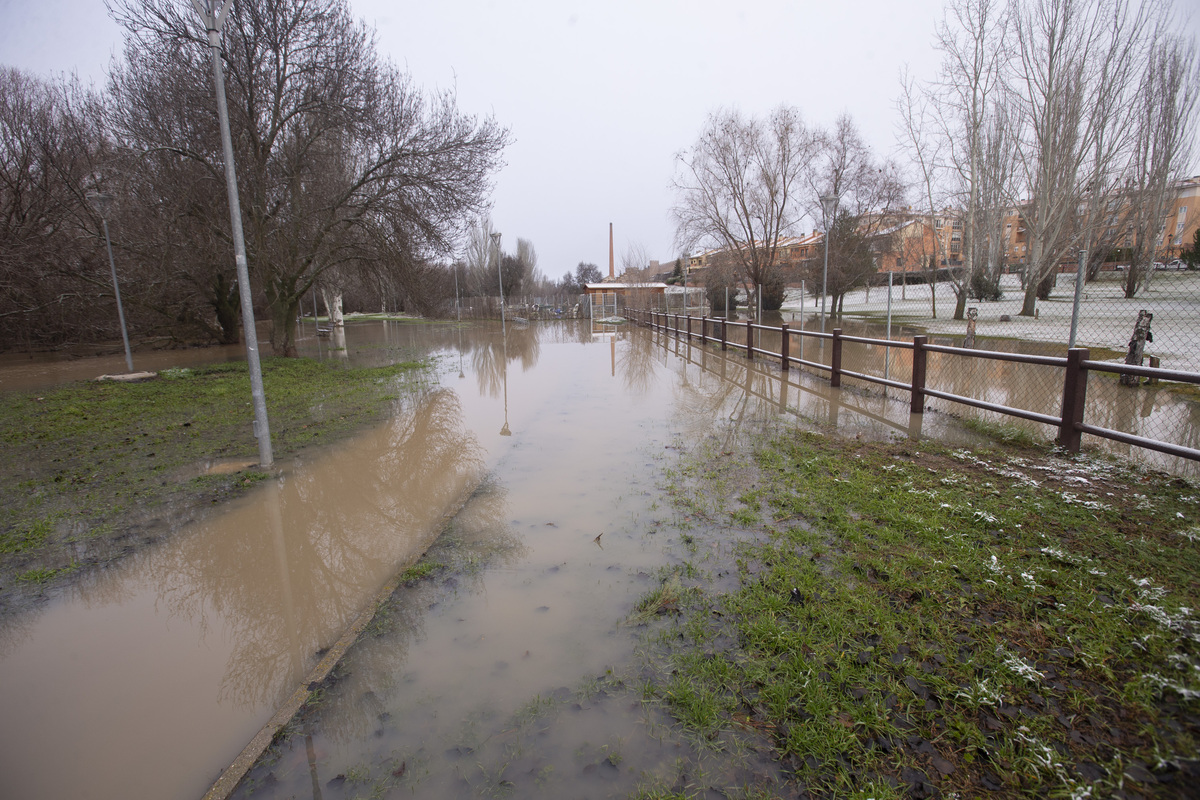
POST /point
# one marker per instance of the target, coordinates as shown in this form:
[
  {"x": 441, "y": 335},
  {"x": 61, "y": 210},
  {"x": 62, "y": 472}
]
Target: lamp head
[
  {"x": 829, "y": 204},
  {"x": 101, "y": 201}
]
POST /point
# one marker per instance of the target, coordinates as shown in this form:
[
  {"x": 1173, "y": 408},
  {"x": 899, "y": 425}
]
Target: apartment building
[
  {"x": 1175, "y": 232},
  {"x": 910, "y": 243}
]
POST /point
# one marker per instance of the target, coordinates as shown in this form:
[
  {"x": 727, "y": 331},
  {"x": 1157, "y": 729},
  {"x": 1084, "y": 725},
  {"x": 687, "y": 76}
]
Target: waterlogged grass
[
  {"x": 915, "y": 621},
  {"x": 88, "y": 470}
]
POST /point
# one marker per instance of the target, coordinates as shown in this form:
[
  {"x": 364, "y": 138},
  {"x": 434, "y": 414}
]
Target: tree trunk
[
  {"x": 1137, "y": 345},
  {"x": 333, "y": 307},
  {"x": 227, "y": 306},
  {"x": 283, "y": 327}
]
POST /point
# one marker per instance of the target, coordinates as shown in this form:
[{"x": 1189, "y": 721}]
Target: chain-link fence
[
  {"x": 1159, "y": 410},
  {"x": 1103, "y": 320}
]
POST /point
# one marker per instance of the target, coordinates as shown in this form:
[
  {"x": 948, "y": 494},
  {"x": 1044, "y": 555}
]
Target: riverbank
[
  {"x": 91, "y": 471},
  {"x": 914, "y": 620}
]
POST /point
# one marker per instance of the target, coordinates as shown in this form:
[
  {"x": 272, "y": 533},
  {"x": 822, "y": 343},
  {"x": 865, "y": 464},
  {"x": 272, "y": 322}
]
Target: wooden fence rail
[{"x": 1076, "y": 366}]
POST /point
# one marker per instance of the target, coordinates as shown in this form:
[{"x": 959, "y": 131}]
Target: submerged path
[{"x": 148, "y": 677}]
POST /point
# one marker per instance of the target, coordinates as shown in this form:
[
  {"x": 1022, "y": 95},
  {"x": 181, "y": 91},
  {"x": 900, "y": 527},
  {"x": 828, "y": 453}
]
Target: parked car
[
  {"x": 1177, "y": 263},
  {"x": 1159, "y": 265}
]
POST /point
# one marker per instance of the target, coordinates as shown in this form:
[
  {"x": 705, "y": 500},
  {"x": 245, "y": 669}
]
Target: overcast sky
[{"x": 599, "y": 96}]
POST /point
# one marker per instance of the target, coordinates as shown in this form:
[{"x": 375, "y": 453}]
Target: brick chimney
[{"x": 611, "y": 274}]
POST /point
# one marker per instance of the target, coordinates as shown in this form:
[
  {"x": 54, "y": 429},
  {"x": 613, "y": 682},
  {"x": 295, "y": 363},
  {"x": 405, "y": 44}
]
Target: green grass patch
[
  {"x": 1004, "y": 432},
  {"x": 419, "y": 571},
  {"x": 916, "y": 620},
  {"x": 89, "y": 462},
  {"x": 43, "y": 576}
]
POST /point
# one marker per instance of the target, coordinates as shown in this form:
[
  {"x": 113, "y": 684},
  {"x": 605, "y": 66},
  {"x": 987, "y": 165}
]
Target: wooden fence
[{"x": 1076, "y": 366}]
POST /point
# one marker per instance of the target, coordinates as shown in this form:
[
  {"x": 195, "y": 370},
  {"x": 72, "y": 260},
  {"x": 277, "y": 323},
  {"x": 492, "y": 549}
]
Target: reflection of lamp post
[
  {"x": 102, "y": 201},
  {"x": 829, "y": 203},
  {"x": 504, "y": 367},
  {"x": 500, "y": 275},
  {"x": 212, "y": 13},
  {"x": 461, "y": 374}
]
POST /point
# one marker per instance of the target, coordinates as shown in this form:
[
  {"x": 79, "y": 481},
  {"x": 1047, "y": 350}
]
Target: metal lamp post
[
  {"x": 500, "y": 275},
  {"x": 504, "y": 431},
  {"x": 212, "y": 13},
  {"x": 101, "y": 201},
  {"x": 829, "y": 204},
  {"x": 457, "y": 302}
]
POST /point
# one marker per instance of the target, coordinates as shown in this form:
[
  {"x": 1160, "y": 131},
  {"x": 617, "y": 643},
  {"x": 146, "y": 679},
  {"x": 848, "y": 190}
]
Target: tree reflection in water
[{"x": 286, "y": 569}]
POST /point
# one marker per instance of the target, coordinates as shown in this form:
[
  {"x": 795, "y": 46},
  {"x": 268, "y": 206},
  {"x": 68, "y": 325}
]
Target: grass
[
  {"x": 91, "y": 470},
  {"x": 421, "y": 570},
  {"x": 913, "y": 620}
]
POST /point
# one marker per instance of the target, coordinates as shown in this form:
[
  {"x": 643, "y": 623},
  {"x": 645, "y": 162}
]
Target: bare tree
[
  {"x": 971, "y": 40},
  {"x": 870, "y": 190},
  {"x": 1164, "y": 145},
  {"x": 479, "y": 257},
  {"x": 1075, "y": 64},
  {"x": 527, "y": 255},
  {"x": 736, "y": 189},
  {"x": 985, "y": 233},
  {"x": 54, "y": 278},
  {"x": 870, "y": 194},
  {"x": 918, "y": 134},
  {"x": 330, "y": 139},
  {"x": 635, "y": 262},
  {"x": 535, "y": 281}
]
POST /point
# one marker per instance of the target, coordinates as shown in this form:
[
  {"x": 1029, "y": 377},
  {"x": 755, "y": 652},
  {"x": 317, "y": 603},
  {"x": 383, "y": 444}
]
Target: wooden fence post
[
  {"x": 703, "y": 328},
  {"x": 785, "y": 339},
  {"x": 689, "y": 327},
  {"x": 750, "y": 339},
  {"x": 1074, "y": 396},
  {"x": 835, "y": 360},
  {"x": 724, "y": 337},
  {"x": 917, "y": 406}
]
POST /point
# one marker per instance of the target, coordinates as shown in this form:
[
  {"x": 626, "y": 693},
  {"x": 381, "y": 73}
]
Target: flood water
[
  {"x": 547, "y": 443},
  {"x": 148, "y": 677},
  {"x": 1164, "y": 412}
]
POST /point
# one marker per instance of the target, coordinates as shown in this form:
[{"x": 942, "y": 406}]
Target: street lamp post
[
  {"x": 500, "y": 275},
  {"x": 829, "y": 203},
  {"x": 212, "y": 13},
  {"x": 101, "y": 201}
]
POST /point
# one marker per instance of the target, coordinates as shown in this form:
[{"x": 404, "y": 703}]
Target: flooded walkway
[{"x": 147, "y": 678}]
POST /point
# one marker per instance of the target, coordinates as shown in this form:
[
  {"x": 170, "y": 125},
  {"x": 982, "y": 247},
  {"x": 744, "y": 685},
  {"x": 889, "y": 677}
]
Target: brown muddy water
[
  {"x": 511, "y": 668},
  {"x": 1167, "y": 412}
]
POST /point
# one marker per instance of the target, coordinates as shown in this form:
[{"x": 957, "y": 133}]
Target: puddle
[
  {"x": 23, "y": 372},
  {"x": 148, "y": 677}
]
